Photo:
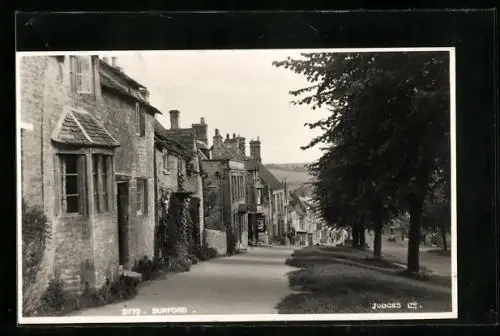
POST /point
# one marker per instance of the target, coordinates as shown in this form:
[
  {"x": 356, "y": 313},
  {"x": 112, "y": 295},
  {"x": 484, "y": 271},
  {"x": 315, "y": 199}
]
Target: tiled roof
[
  {"x": 230, "y": 153},
  {"x": 168, "y": 142},
  {"x": 251, "y": 164},
  {"x": 184, "y": 136},
  {"x": 81, "y": 128},
  {"x": 119, "y": 82},
  {"x": 269, "y": 178}
]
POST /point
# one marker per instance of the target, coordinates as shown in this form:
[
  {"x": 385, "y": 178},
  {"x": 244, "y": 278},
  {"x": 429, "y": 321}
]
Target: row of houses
[{"x": 116, "y": 184}]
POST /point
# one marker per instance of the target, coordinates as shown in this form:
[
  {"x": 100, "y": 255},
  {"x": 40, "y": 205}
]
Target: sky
[{"x": 235, "y": 91}]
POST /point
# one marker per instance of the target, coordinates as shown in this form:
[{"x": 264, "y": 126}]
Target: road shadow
[{"x": 251, "y": 261}]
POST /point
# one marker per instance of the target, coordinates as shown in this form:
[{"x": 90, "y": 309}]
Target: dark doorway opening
[{"x": 123, "y": 218}]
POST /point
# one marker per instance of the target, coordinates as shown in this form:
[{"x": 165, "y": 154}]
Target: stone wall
[
  {"x": 213, "y": 192},
  {"x": 77, "y": 240},
  {"x": 84, "y": 247},
  {"x": 217, "y": 240},
  {"x": 134, "y": 159}
]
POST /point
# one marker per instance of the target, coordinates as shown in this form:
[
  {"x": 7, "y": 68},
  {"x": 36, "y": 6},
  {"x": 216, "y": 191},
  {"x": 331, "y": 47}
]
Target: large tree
[{"x": 389, "y": 113}]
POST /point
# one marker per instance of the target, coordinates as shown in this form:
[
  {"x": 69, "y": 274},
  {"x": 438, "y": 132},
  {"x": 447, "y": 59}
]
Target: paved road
[
  {"x": 437, "y": 263},
  {"x": 250, "y": 283}
]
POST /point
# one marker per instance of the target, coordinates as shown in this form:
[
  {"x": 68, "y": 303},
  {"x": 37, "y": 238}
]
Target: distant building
[
  {"x": 193, "y": 139},
  {"x": 303, "y": 217},
  {"x": 316, "y": 223},
  {"x": 226, "y": 195}
]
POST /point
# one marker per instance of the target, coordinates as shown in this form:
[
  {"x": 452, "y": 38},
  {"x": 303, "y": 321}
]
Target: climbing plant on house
[{"x": 35, "y": 235}]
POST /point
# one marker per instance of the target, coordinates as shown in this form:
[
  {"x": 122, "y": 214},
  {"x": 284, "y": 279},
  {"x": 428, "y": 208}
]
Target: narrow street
[{"x": 250, "y": 283}]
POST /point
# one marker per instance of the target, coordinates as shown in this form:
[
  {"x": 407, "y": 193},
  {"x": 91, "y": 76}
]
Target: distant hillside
[
  {"x": 292, "y": 172},
  {"x": 293, "y": 167}
]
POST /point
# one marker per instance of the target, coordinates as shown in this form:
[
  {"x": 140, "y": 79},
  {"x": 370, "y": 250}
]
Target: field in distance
[{"x": 293, "y": 172}]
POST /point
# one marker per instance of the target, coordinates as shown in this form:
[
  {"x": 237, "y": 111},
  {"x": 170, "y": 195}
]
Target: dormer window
[{"x": 81, "y": 74}]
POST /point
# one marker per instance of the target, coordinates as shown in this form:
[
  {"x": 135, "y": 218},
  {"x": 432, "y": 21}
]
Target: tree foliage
[{"x": 387, "y": 133}]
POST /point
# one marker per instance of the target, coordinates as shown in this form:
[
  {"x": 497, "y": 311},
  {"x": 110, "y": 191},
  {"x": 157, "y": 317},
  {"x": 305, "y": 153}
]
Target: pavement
[
  {"x": 250, "y": 283},
  {"x": 439, "y": 264}
]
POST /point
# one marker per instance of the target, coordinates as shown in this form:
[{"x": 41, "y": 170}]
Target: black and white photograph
[{"x": 236, "y": 185}]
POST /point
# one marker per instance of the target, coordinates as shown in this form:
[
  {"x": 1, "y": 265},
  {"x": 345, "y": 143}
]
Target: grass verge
[{"x": 325, "y": 286}]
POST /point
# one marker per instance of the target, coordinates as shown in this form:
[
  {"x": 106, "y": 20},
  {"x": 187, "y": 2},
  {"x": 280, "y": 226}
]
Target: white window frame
[
  {"x": 137, "y": 119},
  {"x": 258, "y": 196},
  {"x": 83, "y": 74},
  {"x": 82, "y": 183},
  {"x": 103, "y": 189},
  {"x": 165, "y": 161},
  {"x": 142, "y": 210}
]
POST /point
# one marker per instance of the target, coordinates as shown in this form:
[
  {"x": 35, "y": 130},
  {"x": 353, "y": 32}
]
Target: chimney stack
[
  {"x": 106, "y": 60},
  {"x": 232, "y": 142},
  {"x": 242, "y": 146},
  {"x": 255, "y": 149},
  {"x": 174, "y": 119},
  {"x": 217, "y": 145},
  {"x": 201, "y": 131},
  {"x": 114, "y": 63}
]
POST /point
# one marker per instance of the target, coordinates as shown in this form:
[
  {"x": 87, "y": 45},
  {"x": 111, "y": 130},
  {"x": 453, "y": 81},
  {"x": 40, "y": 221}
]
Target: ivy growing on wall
[{"x": 35, "y": 234}]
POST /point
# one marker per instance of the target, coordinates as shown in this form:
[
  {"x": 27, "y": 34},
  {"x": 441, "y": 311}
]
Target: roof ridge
[{"x": 84, "y": 131}]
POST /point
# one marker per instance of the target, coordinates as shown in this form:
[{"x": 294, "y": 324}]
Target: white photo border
[{"x": 247, "y": 317}]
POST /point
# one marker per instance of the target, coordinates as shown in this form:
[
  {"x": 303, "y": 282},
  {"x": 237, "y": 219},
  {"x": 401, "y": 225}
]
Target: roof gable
[{"x": 82, "y": 128}]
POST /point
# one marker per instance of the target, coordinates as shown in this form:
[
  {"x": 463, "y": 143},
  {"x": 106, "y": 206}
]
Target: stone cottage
[
  {"x": 171, "y": 161},
  {"x": 226, "y": 195},
  {"x": 194, "y": 141},
  {"x": 268, "y": 208},
  {"x": 128, "y": 115},
  {"x": 302, "y": 218},
  {"x": 85, "y": 138}
]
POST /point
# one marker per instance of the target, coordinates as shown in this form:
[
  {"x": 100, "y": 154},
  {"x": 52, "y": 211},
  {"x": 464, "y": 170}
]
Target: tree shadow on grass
[
  {"x": 350, "y": 254},
  {"x": 325, "y": 286}
]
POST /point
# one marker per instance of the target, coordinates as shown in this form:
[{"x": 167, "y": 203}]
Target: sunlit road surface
[{"x": 250, "y": 283}]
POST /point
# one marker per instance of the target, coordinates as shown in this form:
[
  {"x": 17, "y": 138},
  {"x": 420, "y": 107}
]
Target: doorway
[
  {"x": 240, "y": 230},
  {"x": 123, "y": 218}
]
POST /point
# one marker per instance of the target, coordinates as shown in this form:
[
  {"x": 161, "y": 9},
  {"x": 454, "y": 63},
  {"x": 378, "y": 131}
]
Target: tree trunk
[
  {"x": 443, "y": 236},
  {"x": 362, "y": 235},
  {"x": 377, "y": 243},
  {"x": 355, "y": 236},
  {"x": 415, "y": 210}
]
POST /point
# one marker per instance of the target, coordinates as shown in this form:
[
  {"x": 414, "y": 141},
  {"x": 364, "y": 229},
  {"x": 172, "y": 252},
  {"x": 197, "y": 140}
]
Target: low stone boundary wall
[{"x": 217, "y": 240}]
